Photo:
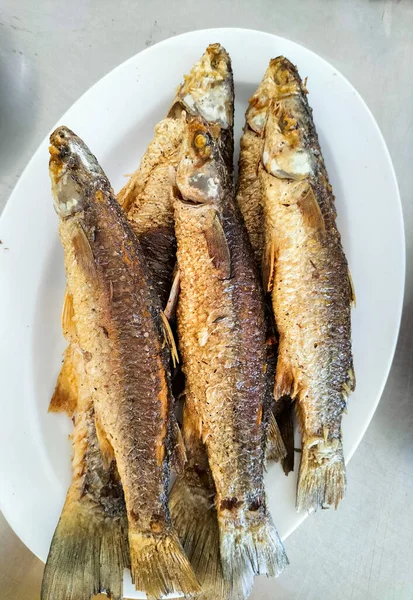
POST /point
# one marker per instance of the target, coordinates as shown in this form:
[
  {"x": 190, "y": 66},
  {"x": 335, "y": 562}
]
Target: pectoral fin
[
  {"x": 218, "y": 247},
  {"x": 310, "y": 210},
  {"x": 65, "y": 395},
  {"x": 106, "y": 448},
  {"x": 68, "y": 325},
  {"x": 83, "y": 252},
  {"x": 170, "y": 308},
  {"x": 268, "y": 266},
  {"x": 170, "y": 339},
  {"x": 352, "y": 290}
]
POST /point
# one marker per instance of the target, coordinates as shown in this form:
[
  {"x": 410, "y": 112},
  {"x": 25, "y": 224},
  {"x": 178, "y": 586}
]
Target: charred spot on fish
[
  {"x": 64, "y": 151},
  {"x": 157, "y": 523},
  {"x": 105, "y": 331},
  {"x": 255, "y": 505},
  {"x": 230, "y": 504}
]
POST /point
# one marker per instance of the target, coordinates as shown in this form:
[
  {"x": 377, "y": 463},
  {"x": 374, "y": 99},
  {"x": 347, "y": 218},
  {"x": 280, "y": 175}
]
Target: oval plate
[{"x": 116, "y": 118}]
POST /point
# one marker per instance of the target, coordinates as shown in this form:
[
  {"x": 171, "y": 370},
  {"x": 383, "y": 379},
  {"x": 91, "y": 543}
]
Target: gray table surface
[{"x": 52, "y": 51}]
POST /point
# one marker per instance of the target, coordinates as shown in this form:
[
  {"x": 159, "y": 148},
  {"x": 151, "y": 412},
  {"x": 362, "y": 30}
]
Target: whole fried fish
[
  {"x": 307, "y": 274},
  {"x": 208, "y": 92},
  {"x": 120, "y": 330},
  {"x": 221, "y": 328}
]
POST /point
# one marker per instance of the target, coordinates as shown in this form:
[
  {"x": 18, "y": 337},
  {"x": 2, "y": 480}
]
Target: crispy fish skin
[
  {"x": 222, "y": 339},
  {"x": 308, "y": 277},
  {"x": 119, "y": 326}
]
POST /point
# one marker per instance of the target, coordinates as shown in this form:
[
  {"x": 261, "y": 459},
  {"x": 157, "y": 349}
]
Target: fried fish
[
  {"x": 120, "y": 328},
  {"x": 221, "y": 328},
  {"x": 306, "y": 271}
]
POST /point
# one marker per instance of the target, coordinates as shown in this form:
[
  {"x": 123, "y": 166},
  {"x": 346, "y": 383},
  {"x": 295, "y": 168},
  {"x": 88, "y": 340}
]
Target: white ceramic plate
[{"x": 116, "y": 119}]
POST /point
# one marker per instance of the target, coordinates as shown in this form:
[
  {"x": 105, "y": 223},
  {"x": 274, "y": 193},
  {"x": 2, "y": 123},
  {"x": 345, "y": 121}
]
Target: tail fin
[
  {"x": 250, "y": 546},
  {"x": 88, "y": 554},
  {"x": 284, "y": 415},
  {"x": 275, "y": 444},
  {"x": 159, "y": 565},
  {"x": 322, "y": 477},
  {"x": 194, "y": 517}
]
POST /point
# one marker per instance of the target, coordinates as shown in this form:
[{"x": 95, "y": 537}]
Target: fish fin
[
  {"x": 275, "y": 446},
  {"x": 170, "y": 308},
  {"x": 285, "y": 421},
  {"x": 194, "y": 517},
  {"x": 253, "y": 549},
  {"x": 88, "y": 554},
  {"x": 218, "y": 249},
  {"x": 268, "y": 266},
  {"x": 322, "y": 476},
  {"x": 310, "y": 210},
  {"x": 178, "y": 452},
  {"x": 353, "y": 299},
  {"x": 159, "y": 565},
  {"x": 106, "y": 449},
  {"x": 285, "y": 381},
  {"x": 170, "y": 339},
  {"x": 65, "y": 394},
  {"x": 83, "y": 252},
  {"x": 351, "y": 381},
  {"x": 68, "y": 325}
]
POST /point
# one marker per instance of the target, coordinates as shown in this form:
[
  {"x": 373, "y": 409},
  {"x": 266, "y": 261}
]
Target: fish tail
[
  {"x": 250, "y": 546},
  {"x": 88, "y": 554},
  {"x": 194, "y": 517},
  {"x": 159, "y": 565},
  {"x": 276, "y": 449},
  {"x": 285, "y": 422},
  {"x": 322, "y": 476}
]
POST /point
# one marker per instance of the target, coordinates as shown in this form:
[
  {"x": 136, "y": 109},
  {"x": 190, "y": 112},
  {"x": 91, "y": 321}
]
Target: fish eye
[{"x": 200, "y": 141}]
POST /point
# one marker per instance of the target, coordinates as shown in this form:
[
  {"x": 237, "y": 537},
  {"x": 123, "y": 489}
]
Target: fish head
[
  {"x": 74, "y": 171},
  {"x": 201, "y": 174},
  {"x": 208, "y": 90}
]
